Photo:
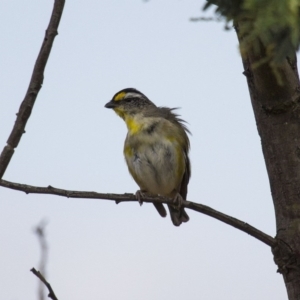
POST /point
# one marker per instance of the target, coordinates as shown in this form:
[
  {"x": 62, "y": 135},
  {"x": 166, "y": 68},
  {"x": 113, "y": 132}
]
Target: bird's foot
[
  {"x": 139, "y": 196},
  {"x": 178, "y": 201}
]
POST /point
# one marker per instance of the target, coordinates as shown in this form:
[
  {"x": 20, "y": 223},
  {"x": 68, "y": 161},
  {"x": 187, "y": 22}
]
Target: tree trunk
[{"x": 277, "y": 113}]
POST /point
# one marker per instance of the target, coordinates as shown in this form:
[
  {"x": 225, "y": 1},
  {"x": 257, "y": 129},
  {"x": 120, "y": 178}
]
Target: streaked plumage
[{"x": 156, "y": 149}]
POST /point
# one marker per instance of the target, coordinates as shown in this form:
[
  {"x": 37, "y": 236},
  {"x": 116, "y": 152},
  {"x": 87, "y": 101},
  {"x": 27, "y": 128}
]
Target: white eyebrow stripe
[{"x": 133, "y": 95}]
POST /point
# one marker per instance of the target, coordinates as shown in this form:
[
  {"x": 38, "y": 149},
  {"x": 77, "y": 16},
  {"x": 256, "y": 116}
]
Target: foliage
[{"x": 273, "y": 23}]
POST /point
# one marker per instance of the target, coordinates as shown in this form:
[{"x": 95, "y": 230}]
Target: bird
[{"x": 156, "y": 150}]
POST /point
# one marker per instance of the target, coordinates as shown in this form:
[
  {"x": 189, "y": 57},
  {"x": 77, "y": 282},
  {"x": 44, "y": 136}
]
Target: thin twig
[
  {"x": 40, "y": 232},
  {"x": 47, "y": 284},
  {"x": 33, "y": 88},
  {"x": 28, "y": 189},
  {"x": 206, "y": 19}
]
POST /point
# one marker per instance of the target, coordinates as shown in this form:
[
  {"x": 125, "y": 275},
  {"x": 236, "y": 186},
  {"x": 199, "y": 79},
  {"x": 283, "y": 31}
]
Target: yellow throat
[{"x": 133, "y": 125}]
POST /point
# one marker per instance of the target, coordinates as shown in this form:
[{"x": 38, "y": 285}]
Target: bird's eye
[{"x": 128, "y": 99}]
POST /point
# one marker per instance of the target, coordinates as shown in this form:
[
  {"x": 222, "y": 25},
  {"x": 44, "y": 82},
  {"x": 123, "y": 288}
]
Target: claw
[
  {"x": 178, "y": 201},
  {"x": 139, "y": 195}
]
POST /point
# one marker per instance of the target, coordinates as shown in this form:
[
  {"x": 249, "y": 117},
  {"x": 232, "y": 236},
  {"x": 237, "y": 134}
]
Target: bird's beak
[{"x": 110, "y": 104}]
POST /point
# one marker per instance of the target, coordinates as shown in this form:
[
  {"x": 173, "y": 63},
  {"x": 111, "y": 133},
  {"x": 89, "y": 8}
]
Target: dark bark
[
  {"x": 277, "y": 113},
  {"x": 40, "y": 276},
  {"x": 34, "y": 87}
]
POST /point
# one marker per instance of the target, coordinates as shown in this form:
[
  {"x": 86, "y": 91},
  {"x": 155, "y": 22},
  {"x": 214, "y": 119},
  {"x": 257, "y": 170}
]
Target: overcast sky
[{"x": 99, "y": 250}]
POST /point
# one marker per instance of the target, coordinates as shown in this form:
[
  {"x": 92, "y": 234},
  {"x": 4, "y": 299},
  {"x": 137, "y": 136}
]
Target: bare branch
[
  {"x": 206, "y": 19},
  {"x": 33, "y": 89},
  {"x": 41, "y": 235},
  {"x": 28, "y": 189},
  {"x": 47, "y": 284},
  {"x": 263, "y": 237}
]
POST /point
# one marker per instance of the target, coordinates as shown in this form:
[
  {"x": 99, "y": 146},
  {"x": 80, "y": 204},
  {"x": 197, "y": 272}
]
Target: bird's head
[{"x": 128, "y": 102}]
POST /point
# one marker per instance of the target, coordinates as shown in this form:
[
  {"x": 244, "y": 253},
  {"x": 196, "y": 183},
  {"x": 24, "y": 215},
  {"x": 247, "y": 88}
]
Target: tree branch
[
  {"x": 47, "y": 284},
  {"x": 41, "y": 235},
  {"x": 28, "y": 189},
  {"x": 33, "y": 88}
]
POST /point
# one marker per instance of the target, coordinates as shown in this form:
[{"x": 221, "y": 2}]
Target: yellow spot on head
[{"x": 120, "y": 96}]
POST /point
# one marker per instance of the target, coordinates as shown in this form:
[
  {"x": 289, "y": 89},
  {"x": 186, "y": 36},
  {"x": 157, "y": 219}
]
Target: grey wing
[
  {"x": 186, "y": 178},
  {"x": 179, "y": 216}
]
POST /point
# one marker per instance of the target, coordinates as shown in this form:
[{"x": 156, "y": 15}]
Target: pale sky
[{"x": 98, "y": 250}]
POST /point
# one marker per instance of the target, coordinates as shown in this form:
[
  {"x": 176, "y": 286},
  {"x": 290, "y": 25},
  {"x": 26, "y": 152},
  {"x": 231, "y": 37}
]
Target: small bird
[{"x": 156, "y": 150}]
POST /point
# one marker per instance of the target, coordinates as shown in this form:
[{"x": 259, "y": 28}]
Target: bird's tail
[
  {"x": 178, "y": 215},
  {"x": 161, "y": 209}
]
